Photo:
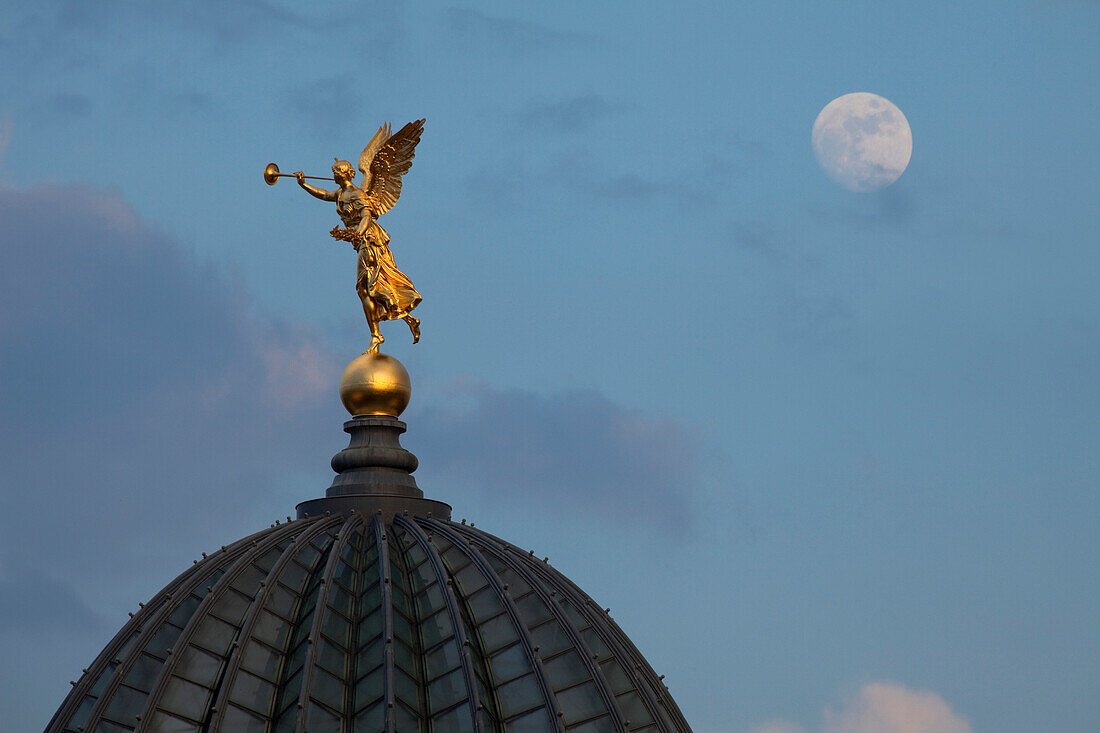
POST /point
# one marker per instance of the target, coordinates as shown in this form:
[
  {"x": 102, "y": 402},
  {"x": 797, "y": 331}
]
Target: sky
[{"x": 831, "y": 458}]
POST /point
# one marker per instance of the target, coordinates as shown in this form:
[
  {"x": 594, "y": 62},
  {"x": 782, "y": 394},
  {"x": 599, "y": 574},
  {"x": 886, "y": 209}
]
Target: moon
[{"x": 862, "y": 141}]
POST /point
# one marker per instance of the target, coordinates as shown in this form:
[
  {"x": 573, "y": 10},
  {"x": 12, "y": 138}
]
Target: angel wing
[
  {"x": 387, "y": 162},
  {"x": 369, "y": 152}
]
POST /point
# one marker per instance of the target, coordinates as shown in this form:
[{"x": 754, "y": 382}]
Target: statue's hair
[{"x": 343, "y": 165}]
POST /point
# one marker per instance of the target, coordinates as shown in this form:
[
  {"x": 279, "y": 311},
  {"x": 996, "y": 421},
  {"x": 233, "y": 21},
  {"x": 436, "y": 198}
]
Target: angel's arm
[
  {"x": 365, "y": 222},
  {"x": 314, "y": 191}
]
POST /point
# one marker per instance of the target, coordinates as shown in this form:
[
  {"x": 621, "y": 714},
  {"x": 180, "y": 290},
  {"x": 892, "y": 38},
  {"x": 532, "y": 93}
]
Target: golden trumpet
[{"x": 272, "y": 174}]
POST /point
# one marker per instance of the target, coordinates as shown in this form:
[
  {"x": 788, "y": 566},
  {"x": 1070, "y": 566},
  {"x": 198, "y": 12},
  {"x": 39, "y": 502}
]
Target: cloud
[
  {"x": 337, "y": 94},
  {"x": 778, "y": 726},
  {"x": 37, "y": 603},
  {"x": 7, "y": 127},
  {"x": 884, "y": 707},
  {"x": 564, "y": 450},
  {"x": 697, "y": 183},
  {"x": 512, "y": 185},
  {"x": 148, "y": 411},
  {"x": 809, "y": 312},
  {"x": 132, "y": 374},
  {"x": 512, "y": 37},
  {"x": 571, "y": 114}
]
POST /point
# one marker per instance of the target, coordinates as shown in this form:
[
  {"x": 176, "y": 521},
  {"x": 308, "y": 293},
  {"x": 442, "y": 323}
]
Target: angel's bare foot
[
  {"x": 375, "y": 342},
  {"x": 414, "y": 326}
]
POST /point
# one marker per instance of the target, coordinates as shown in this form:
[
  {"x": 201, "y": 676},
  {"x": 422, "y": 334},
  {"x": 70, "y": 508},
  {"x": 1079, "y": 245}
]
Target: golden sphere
[{"x": 375, "y": 384}]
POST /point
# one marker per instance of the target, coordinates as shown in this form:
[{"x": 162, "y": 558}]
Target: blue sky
[{"x": 829, "y": 457}]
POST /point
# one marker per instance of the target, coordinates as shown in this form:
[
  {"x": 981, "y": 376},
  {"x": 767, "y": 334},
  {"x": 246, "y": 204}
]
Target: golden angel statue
[{"x": 386, "y": 292}]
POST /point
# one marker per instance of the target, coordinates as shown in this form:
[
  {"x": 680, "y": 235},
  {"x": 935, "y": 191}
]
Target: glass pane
[
  {"x": 239, "y": 720},
  {"x": 249, "y": 579},
  {"x": 214, "y": 635},
  {"x": 185, "y": 698},
  {"x": 470, "y": 579},
  {"x": 441, "y": 660},
  {"x": 281, "y": 601},
  {"x": 581, "y": 702},
  {"x": 336, "y": 628},
  {"x": 345, "y": 575},
  {"x": 616, "y": 676},
  {"x": 144, "y": 672},
  {"x": 319, "y": 720},
  {"x": 198, "y": 666},
  {"x": 294, "y": 576},
  {"x": 415, "y": 555},
  {"x": 331, "y": 657},
  {"x": 595, "y": 643},
  {"x": 261, "y": 660},
  {"x": 252, "y": 692},
  {"x": 125, "y": 704},
  {"x": 165, "y": 723},
  {"x": 369, "y": 689},
  {"x": 436, "y": 628},
  {"x": 432, "y": 599},
  {"x": 633, "y": 709},
  {"x": 81, "y": 715},
  {"x": 600, "y": 725},
  {"x": 339, "y": 599},
  {"x": 268, "y": 559},
  {"x": 510, "y": 663},
  {"x": 484, "y": 604},
  {"x": 401, "y": 628},
  {"x": 405, "y": 719},
  {"x": 165, "y": 638},
  {"x": 232, "y": 606},
  {"x": 370, "y": 720},
  {"x": 520, "y": 695},
  {"x": 327, "y": 689},
  {"x": 370, "y": 627},
  {"x": 421, "y": 576},
  {"x": 272, "y": 629},
  {"x": 497, "y": 632},
  {"x": 536, "y": 722},
  {"x": 369, "y": 658},
  {"x": 532, "y": 610},
  {"x": 566, "y": 670},
  {"x": 550, "y": 638},
  {"x": 399, "y": 598},
  {"x": 184, "y": 611},
  {"x": 517, "y": 586},
  {"x": 289, "y": 693},
  {"x": 446, "y": 691},
  {"x": 458, "y": 720},
  {"x": 404, "y": 657},
  {"x": 406, "y": 689}
]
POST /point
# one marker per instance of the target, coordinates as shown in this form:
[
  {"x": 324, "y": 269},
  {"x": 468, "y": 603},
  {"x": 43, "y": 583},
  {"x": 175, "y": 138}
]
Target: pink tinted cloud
[
  {"x": 886, "y": 707},
  {"x": 883, "y": 707}
]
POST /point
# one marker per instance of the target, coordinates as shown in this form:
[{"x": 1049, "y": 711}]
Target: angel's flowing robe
[{"x": 393, "y": 290}]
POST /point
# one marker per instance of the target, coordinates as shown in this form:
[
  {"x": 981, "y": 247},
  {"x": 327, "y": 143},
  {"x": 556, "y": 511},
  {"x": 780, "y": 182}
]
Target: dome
[
  {"x": 428, "y": 623},
  {"x": 370, "y": 612}
]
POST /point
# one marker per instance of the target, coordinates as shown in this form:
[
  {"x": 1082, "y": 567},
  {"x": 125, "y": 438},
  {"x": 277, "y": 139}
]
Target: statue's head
[{"x": 342, "y": 169}]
